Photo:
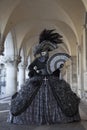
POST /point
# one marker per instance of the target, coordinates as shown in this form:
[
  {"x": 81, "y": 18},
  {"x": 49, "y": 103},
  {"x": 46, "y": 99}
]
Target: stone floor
[{"x": 4, "y": 108}]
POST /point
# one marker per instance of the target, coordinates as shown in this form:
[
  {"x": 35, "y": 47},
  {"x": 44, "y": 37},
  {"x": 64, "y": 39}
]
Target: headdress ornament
[{"x": 48, "y": 41}]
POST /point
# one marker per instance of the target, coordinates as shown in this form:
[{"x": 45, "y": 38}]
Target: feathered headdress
[{"x": 48, "y": 41}]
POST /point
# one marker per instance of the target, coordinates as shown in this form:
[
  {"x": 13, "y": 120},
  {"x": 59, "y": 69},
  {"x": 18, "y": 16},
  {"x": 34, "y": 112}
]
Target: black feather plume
[{"x": 49, "y": 35}]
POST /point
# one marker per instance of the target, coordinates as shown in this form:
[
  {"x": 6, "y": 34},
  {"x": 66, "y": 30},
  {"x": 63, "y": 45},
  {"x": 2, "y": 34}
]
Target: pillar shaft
[
  {"x": 73, "y": 69},
  {"x": 85, "y": 59},
  {"x": 21, "y": 76},
  {"x": 11, "y": 78}
]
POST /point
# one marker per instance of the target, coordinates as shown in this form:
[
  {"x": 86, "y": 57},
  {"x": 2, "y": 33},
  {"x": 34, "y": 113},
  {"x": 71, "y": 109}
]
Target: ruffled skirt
[{"x": 43, "y": 109}]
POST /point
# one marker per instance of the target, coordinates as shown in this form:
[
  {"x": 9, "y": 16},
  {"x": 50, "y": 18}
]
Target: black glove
[{"x": 32, "y": 73}]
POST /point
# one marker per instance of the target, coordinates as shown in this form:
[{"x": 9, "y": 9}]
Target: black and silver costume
[{"x": 44, "y": 98}]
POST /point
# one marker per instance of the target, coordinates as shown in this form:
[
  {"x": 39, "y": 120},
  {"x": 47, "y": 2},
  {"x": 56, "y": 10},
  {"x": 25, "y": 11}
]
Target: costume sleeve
[
  {"x": 56, "y": 73},
  {"x": 33, "y": 64},
  {"x": 32, "y": 71}
]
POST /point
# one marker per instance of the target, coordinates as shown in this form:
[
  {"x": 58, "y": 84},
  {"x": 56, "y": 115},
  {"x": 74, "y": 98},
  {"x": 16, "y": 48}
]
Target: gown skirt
[{"x": 40, "y": 104}]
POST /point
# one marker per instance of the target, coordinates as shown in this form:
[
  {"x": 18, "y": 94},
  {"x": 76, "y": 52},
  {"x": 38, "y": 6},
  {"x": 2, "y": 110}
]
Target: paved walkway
[{"x": 4, "y": 108}]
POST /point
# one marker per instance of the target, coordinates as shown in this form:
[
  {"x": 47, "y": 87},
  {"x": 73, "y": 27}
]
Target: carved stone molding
[
  {"x": 18, "y": 59},
  {"x": 1, "y": 48},
  {"x": 22, "y": 66},
  {"x": 2, "y": 38},
  {"x": 10, "y": 60},
  {"x": 7, "y": 60},
  {"x": 79, "y": 48}
]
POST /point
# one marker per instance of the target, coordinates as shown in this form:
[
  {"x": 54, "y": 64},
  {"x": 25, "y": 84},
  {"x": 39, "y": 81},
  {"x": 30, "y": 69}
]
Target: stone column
[
  {"x": 79, "y": 72},
  {"x": 85, "y": 48},
  {"x": 1, "y": 45},
  {"x": 11, "y": 75},
  {"x": 74, "y": 73},
  {"x": 71, "y": 75},
  {"x": 26, "y": 73},
  {"x": 68, "y": 74},
  {"x": 21, "y": 75},
  {"x": 85, "y": 57}
]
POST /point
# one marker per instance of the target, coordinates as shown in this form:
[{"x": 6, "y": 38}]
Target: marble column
[
  {"x": 26, "y": 73},
  {"x": 68, "y": 74},
  {"x": 71, "y": 75},
  {"x": 79, "y": 72},
  {"x": 85, "y": 58},
  {"x": 11, "y": 76},
  {"x": 21, "y": 75},
  {"x": 74, "y": 73},
  {"x": 1, "y": 45}
]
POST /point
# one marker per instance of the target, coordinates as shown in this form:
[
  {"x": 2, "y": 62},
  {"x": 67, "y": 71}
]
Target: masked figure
[{"x": 44, "y": 98}]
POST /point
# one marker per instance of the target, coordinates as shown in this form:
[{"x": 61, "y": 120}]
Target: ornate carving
[
  {"x": 79, "y": 48},
  {"x": 2, "y": 39},
  {"x": 18, "y": 59},
  {"x": 22, "y": 65},
  {"x": 7, "y": 60},
  {"x": 1, "y": 48},
  {"x": 10, "y": 60}
]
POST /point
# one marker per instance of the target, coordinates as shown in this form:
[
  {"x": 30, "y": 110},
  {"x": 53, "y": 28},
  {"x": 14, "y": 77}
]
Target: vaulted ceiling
[{"x": 29, "y": 17}]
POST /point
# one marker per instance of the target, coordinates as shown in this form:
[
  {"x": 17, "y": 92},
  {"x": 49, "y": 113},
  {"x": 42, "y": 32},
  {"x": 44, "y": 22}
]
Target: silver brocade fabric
[{"x": 43, "y": 108}]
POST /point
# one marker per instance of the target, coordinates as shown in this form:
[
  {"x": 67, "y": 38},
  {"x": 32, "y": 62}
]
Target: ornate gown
[{"x": 44, "y": 99}]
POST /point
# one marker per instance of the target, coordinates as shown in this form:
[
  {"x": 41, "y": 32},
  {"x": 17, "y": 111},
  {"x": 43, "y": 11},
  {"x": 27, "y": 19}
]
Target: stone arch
[
  {"x": 64, "y": 17},
  {"x": 36, "y": 32},
  {"x": 9, "y": 45},
  {"x": 10, "y": 64}
]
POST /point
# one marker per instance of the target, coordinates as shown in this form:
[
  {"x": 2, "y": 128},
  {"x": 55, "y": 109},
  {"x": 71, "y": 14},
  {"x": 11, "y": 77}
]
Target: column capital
[
  {"x": 22, "y": 65},
  {"x": 1, "y": 48},
  {"x": 85, "y": 26},
  {"x": 18, "y": 59},
  {"x": 2, "y": 38},
  {"x": 79, "y": 48},
  {"x": 10, "y": 60}
]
